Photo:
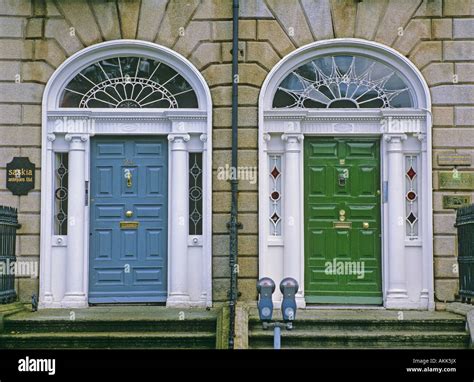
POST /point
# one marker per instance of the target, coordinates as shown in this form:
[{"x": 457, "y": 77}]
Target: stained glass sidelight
[
  {"x": 343, "y": 82},
  {"x": 411, "y": 196},
  {"x": 275, "y": 194},
  {"x": 129, "y": 82},
  {"x": 195, "y": 193},
  {"x": 61, "y": 194}
]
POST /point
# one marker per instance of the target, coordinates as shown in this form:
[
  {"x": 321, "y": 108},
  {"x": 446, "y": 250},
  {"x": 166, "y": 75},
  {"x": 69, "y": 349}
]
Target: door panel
[
  {"x": 128, "y": 264},
  {"x": 342, "y": 221}
]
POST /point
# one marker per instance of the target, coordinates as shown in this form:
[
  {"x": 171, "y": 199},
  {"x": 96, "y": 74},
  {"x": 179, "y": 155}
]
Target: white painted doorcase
[
  {"x": 349, "y": 88},
  {"x": 124, "y": 88}
]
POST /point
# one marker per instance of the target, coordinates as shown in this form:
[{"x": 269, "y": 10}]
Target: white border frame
[
  {"x": 179, "y": 122},
  {"x": 364, "y": 122}
]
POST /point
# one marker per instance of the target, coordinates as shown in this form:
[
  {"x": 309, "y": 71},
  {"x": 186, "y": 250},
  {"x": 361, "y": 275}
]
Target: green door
[{"x": 342, "y": 221}]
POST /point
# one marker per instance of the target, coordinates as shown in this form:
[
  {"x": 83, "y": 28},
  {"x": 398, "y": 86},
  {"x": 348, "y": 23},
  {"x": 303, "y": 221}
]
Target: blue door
[{"x": 128, "y": 209}]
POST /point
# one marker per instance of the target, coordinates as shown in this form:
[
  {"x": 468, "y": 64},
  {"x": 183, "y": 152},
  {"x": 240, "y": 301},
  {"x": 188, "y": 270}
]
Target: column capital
[
  {"x": 421, "y": 137},
  {"x": 76, "y": 141},
  {"x": 293, "y": 141},
  {"x": 178, "y": 137},
  {"x": 292, "y": 137},
  {"x": 395, "y": 138},
  {"x": 49, "y": 141},
  {"x": 76, "y": 137}
]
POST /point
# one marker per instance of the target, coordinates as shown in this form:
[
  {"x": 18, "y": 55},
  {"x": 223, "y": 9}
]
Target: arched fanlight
[
  {"x": 343, "y": 82},
  {"x": 128, "y": 82}
]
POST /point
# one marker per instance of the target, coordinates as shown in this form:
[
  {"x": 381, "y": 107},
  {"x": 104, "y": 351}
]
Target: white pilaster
[
  {"x": 46, "y": 294},
  {"x": 179, "y": 223},
  {"x": 76, "y": 296},
  {"x": 292, "y": 180},
  {"x": 397, "y": 295},
  {"x": 427, "y": 262},
  {"x": 206, "y": 236}
]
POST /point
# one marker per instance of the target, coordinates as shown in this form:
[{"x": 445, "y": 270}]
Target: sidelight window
[
  {"x": 195, "y": 193},
  {"x": 61, "y": 193},
  {"x": 411, "y": 196},
  {"x": 275, "y": 173}
]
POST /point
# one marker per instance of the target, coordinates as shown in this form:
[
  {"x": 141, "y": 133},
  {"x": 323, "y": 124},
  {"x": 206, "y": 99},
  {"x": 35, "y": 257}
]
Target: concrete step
[
  {"x": 109, "y": 340},
  {"x": 371, "y": 321},
  {"x": 365, "y": 328},
  {"x": 75, "y": 326},
  {"x": 140, "y": 319},
  {"x": 120, "y": 327},
  {"x": 341, "y": 339},
  {"x": 374, "y": 326}
]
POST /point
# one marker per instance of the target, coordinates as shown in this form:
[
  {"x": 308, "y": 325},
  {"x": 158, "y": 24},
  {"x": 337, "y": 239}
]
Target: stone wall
[{"x": 37, "y": 36}]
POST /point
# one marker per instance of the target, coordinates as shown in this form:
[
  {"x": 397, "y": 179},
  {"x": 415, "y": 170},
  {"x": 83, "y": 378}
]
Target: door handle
[
  {"x": 365, "y": 225},
  {"x": 129, "y": 214},
  {"x": 128, "y": 175}
]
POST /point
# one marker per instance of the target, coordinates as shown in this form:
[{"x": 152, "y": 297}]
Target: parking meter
[
  {"x": 265, "y": 288},
  {"x": 288, "y": 288}
]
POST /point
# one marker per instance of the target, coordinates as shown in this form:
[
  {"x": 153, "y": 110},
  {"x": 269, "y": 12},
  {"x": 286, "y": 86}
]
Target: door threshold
[{"x": 344, "y": 307}]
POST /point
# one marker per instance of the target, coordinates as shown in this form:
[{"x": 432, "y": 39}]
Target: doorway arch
[
  {"x": 320, "y": 91},
  {"x": 119, "y": 90}
]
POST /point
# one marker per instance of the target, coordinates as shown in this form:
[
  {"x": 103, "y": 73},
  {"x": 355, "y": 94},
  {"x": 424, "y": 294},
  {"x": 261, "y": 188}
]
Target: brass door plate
[
  {"x": 456, "y": 201},
  {"x": 450, "y": 180},
  {"x": 129, "y": 225},
  {"x": 342, "y": 225}
]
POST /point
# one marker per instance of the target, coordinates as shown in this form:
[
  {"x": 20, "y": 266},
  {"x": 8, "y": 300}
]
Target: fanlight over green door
[{"x": 343, "y": 81}]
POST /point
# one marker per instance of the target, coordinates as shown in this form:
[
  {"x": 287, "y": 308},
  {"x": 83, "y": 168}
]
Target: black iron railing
[
  {"x": 8, "y": 226},
  {"x": 465, "y": 226}
]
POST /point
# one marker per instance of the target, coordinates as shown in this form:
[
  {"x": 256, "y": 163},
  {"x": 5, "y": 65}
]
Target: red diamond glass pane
[
  {"x": 411, "y": 173},
  {"x": 275, "y": 172}
]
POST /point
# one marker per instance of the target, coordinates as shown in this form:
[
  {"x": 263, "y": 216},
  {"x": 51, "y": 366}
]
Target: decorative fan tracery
[
  {"x": 129, "y": 82},
  {"x": 343, "y": 82}
]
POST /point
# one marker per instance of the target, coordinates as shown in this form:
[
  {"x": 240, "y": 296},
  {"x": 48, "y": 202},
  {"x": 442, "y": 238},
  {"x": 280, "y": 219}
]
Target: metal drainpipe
[{"x": 233, "y": 224}]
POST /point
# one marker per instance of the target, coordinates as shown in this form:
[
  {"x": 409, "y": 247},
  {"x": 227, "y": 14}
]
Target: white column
[
  {"x": 75, "y": 296},
  {"x": 46, "y": 294},
  {"x": 179, "y": 221},
  {"x": 397, "y": 285},
  {"x": 292, "y": 181}
]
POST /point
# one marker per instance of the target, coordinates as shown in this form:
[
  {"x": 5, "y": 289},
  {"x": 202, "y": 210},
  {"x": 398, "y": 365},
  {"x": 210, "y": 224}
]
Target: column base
[
  {"x": 203, "y": 300},
  {"x": 425, "y": 300},
  {"x": 178, "y": 301},
  {"x": 46, "y": 299},
  {"x": 74, "y": 300},
  {"x": 300, "y": 301},
  {"x": 397, "y": 299}
]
